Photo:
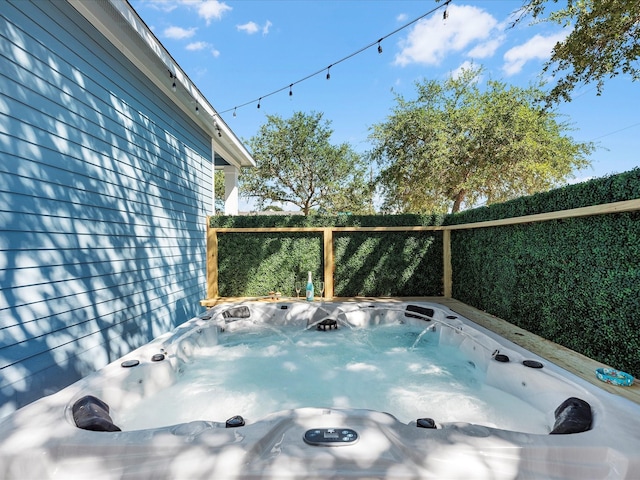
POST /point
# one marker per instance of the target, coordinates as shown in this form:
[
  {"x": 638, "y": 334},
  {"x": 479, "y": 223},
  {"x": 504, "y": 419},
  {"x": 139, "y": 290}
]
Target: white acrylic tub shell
[{"x": 41, "y": 441}]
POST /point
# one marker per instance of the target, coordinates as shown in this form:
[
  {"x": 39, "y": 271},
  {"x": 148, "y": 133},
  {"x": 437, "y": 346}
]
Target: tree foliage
[
  {"x": 297, "y": 164},
  {"x": 456, "y": 145},
  {"x": 604, "y": 42},
  {"x": 218, "y": 191}
]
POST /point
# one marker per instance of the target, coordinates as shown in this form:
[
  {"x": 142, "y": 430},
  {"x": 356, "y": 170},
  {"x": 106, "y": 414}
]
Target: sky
[{"x": 237, "y": 52}]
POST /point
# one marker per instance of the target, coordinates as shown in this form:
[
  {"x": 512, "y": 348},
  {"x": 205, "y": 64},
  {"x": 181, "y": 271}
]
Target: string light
[
  {"x": 328, "y": 75},
  {"x": 173, "y": 76}
]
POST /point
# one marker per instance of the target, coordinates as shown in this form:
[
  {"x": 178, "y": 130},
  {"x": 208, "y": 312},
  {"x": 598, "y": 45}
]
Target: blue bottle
[{"x": 309, "y": 289}]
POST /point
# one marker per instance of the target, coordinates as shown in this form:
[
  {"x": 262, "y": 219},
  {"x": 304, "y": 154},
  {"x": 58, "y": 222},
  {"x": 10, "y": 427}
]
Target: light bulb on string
[{"x": 443, "y": 6}]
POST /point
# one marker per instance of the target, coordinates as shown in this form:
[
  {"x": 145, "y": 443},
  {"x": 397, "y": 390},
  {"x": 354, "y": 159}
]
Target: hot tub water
[{"x": 400, "y": 369}]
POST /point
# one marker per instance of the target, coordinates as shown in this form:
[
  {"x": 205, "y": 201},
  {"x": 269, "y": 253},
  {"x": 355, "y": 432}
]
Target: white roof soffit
[{"x": 122, "y": 26}]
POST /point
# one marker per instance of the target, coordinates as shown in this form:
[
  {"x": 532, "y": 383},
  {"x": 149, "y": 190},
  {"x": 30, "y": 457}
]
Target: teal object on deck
[{"x": 614, "y": 377}]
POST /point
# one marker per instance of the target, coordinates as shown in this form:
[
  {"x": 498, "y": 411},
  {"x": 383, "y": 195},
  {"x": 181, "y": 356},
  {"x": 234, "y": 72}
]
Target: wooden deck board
[{"x": 574, "y": 362}]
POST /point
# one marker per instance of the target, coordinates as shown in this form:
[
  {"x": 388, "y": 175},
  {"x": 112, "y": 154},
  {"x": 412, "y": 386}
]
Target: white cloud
[
  {"x": 163, "y": 5},
  {"x": 207, "y": 9},
  {"x": 249, "y": 27},
  {"x": 179, "y": 33},
  {"x": 212, "y": 9},
  {"x": 432, "y": 39},
  {"x": 193, "y": 46},
  {"x": 402, "y": 17},
  {"x": 197, "y": 46},
  {"x": 252, "y": 27},
  {"x": 486, "y": 49},
  {"x": 536, "y": 48}
]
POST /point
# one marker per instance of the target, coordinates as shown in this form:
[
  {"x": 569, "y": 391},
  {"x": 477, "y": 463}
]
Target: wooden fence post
[
  {"x": 212, "y": 262},
  {"x": 327, "y": 236},
  {"x": 446, "y": 260}
]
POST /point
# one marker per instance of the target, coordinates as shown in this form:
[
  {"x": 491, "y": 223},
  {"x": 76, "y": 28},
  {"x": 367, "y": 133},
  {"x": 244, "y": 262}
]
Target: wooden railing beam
[
  {"x": 615, "y": 207},
  {"x": 328, "y": 233}
]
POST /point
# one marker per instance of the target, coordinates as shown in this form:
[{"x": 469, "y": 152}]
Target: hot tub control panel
[{"x": 331, "y": 437}]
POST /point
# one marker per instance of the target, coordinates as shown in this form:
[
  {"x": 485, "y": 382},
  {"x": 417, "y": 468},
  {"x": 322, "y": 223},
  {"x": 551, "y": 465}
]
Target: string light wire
[{"x": 344, "y": 59}]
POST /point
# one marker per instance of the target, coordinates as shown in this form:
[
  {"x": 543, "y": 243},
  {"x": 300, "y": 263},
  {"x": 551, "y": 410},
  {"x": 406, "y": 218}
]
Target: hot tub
[{"x": 159, "y": 412}]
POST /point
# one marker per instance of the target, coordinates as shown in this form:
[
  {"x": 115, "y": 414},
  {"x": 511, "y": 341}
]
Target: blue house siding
[{"x": 105, "y": 185}]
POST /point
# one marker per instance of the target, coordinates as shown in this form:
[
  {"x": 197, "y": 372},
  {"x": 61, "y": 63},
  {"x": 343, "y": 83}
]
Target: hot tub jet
[{"x": 327, "y": 322}]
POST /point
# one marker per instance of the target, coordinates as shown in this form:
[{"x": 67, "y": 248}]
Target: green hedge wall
[
  {"x": 253, "y": 265},
  {"x": 367, "y": 264},
  {"x": 575, "y": 282},
  {"x": 275, "y": 221},
  {"x": 388, "y": 264},
  {"x": 613, "y": 188}
]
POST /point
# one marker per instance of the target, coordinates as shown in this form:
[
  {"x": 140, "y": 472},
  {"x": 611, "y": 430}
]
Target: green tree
[
  {"x": 456, "y": 145},
  {"x": 604, "y": 42},
  {"x": 297, "y": 164},
  {"x": 218, "y": 191}
]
